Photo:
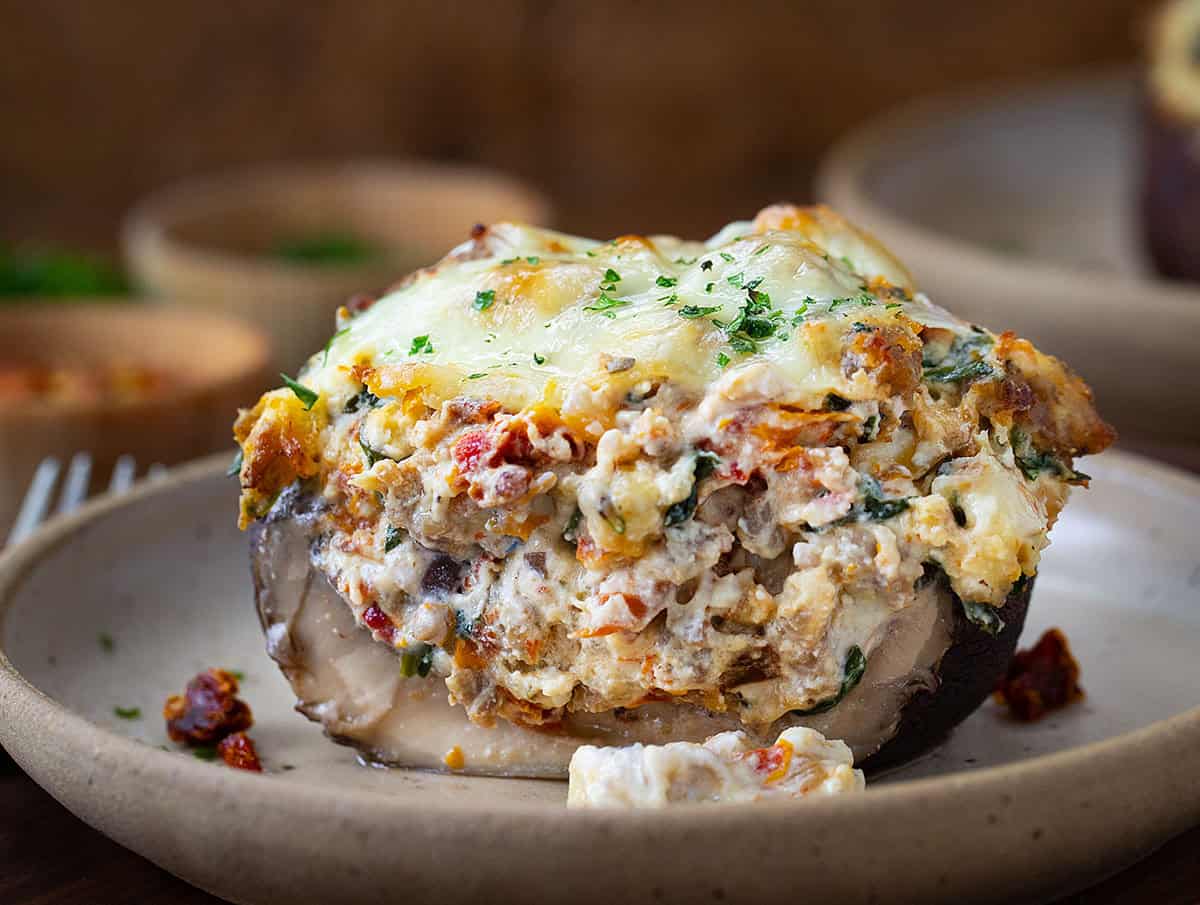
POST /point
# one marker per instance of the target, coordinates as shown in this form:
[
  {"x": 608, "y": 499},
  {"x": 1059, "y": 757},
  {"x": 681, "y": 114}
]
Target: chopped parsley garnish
[
  {"x": 106, "y": 642},
  {"x": 668, "y": 299},
  {"x": 533, "y": 259},
  {"x": 332, "y": 340},
  {"x": 539, "y": 359},
  {"x": 392, "y": 538},
  {"x": 666, "y": 282},
  {"x": 722, "y": 359},
  {"x": 476, "y": 375},
  {"x": 735, "y": 279},
  {"x": 685, "y": 262},
  {"x": 836, "y": 403},
  {"x": 833, "y": 304},
  {"x": 605, "y": 304},
  {"x": 507, "y": 261},
  {"x": 874, "y": 506},
  {"x": 798, "y": 317},
  {"x": 852, "y": 673},
  {"x": 303, "y": 393},
  {"x": 235, "y": 467},
  {"x": 706, "y": 265},
  {"x": 709, "y": 287},
  {"x": 758, "y": 251},
  {"x": 893, "y": 306},
  {"x": 128, "y": 713},
  {"x": 611, "y": 276},
  {"x": 727, "y": 257},
  {"x": 421, "y": 345},
  {"x": 848, "y": 263},
  {"x": 691, "y": 312},
  {"x": 703, "y": 465},
  {"x": 484, "y": 299},
  {"x": 205, "y": 752}
]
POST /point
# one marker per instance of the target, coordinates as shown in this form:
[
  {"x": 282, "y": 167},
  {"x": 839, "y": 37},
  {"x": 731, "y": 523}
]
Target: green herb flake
[
  {"x": 685, "y": 262},
  {"x": 483, "y": 300},
  {"x": 417, "y": 662},
  {"x": 205, "y": 752},
  {"x": 722, "y": 359},
  {"x": 421, "y": 345},
  {"x": 692, "y": 312},
  {"x": 853, "y": 669},
  {"x": 611, "y": 276},
  {"x": 709, "y": 287},
  {"x": 704, "y": 464},
  {"x": 760, "y": 250},
  {"x": 539, "y": 359},
  {"x": 392, "y": 538},
  {"x": 533, "y": 259},
  {"x": 571, "y": 531},
  {"x": 372, "y": 455},
  {"x": 303, "y": 393},
  {"x": 128, "y": 713},
  {"x": 668, "y": 299},
  {"x": 985, "y": 617},
  {"x": 706, "y": 265},
  {"x": 605, "y": 305},
  {"x": 836, "y": 403},
  {"x": 666, "y": 282},
  {"x": 476, "y": 375},
  {"x": 507, "y": 261},
  {"x": 735, "y": 279},
  {"x": 106, "y": 642},
  {"x": 726, "y": 257},
  {"x": 329, "y": 345},
  {"x": 235, "y": 467}
]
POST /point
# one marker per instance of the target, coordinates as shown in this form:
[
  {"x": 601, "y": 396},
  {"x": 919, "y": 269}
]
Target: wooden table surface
[{"x": 48, "y": 857}]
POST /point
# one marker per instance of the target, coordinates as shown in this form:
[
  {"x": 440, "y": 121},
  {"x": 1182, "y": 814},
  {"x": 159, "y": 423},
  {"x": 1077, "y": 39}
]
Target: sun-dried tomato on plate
[
  {"x": 208, "y": 710},
  {"x": 238, "y": 751},
  {"x": 1043, "y": 678}
]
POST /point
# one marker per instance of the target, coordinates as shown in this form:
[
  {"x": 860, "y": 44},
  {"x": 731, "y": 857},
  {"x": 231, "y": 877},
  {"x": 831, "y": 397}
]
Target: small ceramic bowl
[
  {"x": 201, "y": 368},
  {"x": 283, "y": 246}
]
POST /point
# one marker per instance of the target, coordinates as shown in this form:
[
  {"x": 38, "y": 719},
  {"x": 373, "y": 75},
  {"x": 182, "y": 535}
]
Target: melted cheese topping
[
  {"x": 519, "y": 307},
  {"x": 726, "y": 768}
]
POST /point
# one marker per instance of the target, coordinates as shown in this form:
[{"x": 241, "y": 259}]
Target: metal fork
[{"x": 36, "y": 505}]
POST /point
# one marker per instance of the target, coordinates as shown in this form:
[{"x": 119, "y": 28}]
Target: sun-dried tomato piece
[
  {"x": 1041, "y": 679},
  {"x": 238, "y": 751},
  {"x": 208, "y": 710}
]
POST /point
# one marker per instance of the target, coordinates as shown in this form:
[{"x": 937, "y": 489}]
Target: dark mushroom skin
[{"x": 887, "y": 719}]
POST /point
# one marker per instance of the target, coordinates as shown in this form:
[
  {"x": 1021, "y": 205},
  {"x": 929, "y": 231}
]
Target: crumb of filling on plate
[
  {"x": 1043, "y": 678},
  {"x": 726, "y": 768}
]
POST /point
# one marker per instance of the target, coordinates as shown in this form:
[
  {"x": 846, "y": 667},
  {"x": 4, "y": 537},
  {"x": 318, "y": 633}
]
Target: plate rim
[
  {"x": 20, "y": 697},
  {"x": 842, "y": 181}
]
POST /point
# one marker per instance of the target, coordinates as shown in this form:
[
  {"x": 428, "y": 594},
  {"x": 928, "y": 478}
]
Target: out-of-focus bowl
[
  {"x": 214, "y": 242},
  {"x": 1017, "y": 208},
  {"x": 212, "y": 364}
]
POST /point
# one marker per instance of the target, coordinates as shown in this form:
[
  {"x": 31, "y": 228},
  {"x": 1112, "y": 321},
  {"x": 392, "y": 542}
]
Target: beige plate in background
[
  {"x": 1016, "y": 208},
  {"x": 1000, "y": 812}
]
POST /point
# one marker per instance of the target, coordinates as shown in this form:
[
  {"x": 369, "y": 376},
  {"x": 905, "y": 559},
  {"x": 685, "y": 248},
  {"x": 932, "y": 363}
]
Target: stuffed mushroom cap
[{"x": 553, "y": 491}]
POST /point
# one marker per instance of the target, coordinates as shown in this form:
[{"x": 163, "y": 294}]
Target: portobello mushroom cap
[{"x": 935, "y": 668}]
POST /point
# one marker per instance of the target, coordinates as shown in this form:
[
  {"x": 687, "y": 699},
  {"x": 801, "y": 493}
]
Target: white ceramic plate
[
  {"x": 1016, "y": 207},
  {"x": 1000, "y": 810}
]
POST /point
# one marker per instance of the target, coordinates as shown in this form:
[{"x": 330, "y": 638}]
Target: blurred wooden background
[{"x": 675, "y": 115}]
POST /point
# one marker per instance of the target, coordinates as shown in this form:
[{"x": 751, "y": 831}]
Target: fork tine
[
  {"x": 123, "y": 474},
  {"x": 37, "y": 500},
  {"x": 75, "y": 487}
]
